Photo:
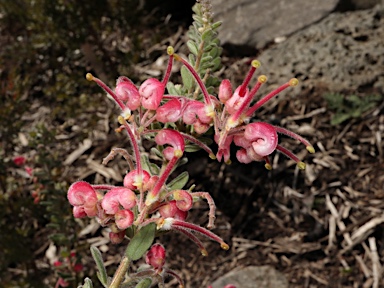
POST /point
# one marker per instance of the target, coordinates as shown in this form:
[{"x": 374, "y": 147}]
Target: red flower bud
[
  {"x": 127, "y": 92},
  {"x": 234, "y": 103},
  {"x": 169, "y": 112},
  {"x": 151, "y": 93},
  {"x": 116, "y": 197},
  {"x": 156, "y": 256},
  {"x": 19, "y": 160},
  {"x": 116, "y": 238},
  {"x": 173, "y": 138},
  {"x": 124, "y": 219},
  {"x": 84, "y": 199},
  {"x": 225, "y": 91},
  {"x": 263, "y": 137},
  {"x": 134, "y": 181}
]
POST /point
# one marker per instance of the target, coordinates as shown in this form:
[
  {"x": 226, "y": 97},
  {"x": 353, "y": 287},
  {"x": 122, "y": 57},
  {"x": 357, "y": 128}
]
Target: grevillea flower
[
  {"x": 173, "y": 138},
  {"x": 196, "y": 110},
  {"x": 19, "y": 160},
  {"x": 135, "y": 181},
  {"x": 156, "y": 256},
  {"x": 262, "y": 136},
  {"x": 84, "y": 199},
  {"x": 170, "y": 111},
  {"x": 116, "y": 237},
  {"x": 170, "y": 210},
  {"x": 116, "y": 197},
  {"x": 127, "y": 92},
  {"x": 124, "y": 219},
  {"x": 234, "y": 103},
  {"x": 151, "y": 93},
  {"x": 225, "y": 91},
  {"x": 224, "y": 149}
]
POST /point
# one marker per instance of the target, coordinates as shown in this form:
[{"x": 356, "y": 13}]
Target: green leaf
[
  {"x": 192, "y": 148},
  {"x": 171, "y": 89},
  {"x": 216, "y": 25},
  {"x": 102, "y": 273},
  {"x": 339, "y": 118},
  {"x": 187, "y": 77},
  {"x": 192, "y": 46},
  {"x": 145, "y": 283},
  {"x": 179, "y": 182},
  {"x": 141, "y": 242},
  {"x": 87, "y": 283},
  {"x": 208, "y": 35}
]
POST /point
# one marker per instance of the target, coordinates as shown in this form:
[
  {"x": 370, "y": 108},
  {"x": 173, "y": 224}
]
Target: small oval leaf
[{"x": 141, "y": 242}]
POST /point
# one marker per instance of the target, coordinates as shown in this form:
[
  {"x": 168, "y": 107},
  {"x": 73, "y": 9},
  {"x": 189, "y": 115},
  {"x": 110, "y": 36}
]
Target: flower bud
[
  {"x": 84, "y": 199},
  {"x": 19, "y": 160},
  {"x": 263, "y": 137},
  {"x": 116, "y": 238},
  {"x": 156, "y": 256},
  {"x": 127, "y": 92},
  {"x": 225, "y": 91},
  {"x": 235, "y": 102},
  {"x": 169, "y": 112},
  {"x": 124, "y": 219},
  {"x": 116, "y": 197},
  {"x": 151, "y": 93},
  {"x": 134, "y": 181},
  {"x": 173, "y": 138},
  {"x": 184, "y": 200}
]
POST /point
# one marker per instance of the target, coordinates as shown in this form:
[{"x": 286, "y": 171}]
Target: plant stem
[{"x": 120, "y": 273}]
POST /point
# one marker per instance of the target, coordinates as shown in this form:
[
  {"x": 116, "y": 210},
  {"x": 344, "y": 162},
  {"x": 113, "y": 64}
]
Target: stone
[
  {"x": 343, "y": 52},
  {"x": 257, "y": 23},
  {"x": 253, "y": 276}
]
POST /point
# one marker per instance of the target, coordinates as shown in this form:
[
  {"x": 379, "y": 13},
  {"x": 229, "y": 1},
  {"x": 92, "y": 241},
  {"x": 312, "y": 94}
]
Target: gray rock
[
  {"x": 343, "y": 52},
  {"x": 253, "y": 277},
  {"x": 258, "y": 22}
]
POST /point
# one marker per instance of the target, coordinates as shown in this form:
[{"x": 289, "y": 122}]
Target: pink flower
[
  {"x": 116, "y": 197},
  {"x": 156, "y": 256},
  {"x": 224, "y": 149},
  {"x": 173, "y": 138},
  {"x": 134, "y": 181},
  {"x": 84, "y": 199},
  {"x": 116, "y": 237},
  {"x": 169, "y": 112},
  {"x": 263, "y": 137},
  {"x": 19, "y": 160},
  {"x": 195, "y": 110},
  {"x": 225, "y": 91},
  {"x": 78, "y": 267},
  {"x": 127, "y": 92},
  {"x": 184, "y": 200},
  {"x": 151, "y": 93},
  {"x": 124, "y": 219},
  {"x": 171, "y": 210},
  {"x": 235, "y": 102}
]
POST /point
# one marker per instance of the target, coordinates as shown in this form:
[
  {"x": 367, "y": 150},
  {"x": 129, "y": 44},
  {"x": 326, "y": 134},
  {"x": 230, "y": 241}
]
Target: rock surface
[
  {"x": 343, "y": 52},
  {"x": 251, "y": 277},
  {"x": 258, "y": 22}
]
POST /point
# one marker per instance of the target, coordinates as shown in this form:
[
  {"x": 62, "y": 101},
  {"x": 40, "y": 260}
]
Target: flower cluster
[{"x": 146, "y": 196}]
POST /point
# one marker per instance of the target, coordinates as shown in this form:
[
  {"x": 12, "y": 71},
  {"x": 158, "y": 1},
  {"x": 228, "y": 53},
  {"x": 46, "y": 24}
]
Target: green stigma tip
[
  {"x": 255, "y": 63},
  {"x": 170, "y": 50},
  {"x": 212, "y": 156},
  {"x": 262, "y": 79},
  {"x": 301, "y": 165},
  {"x": 224, "y": 246},
  {"x": 310, "y": 149},
  {"x": 89, "y": 77},
  {"x": 293, "y": 82},
  {"x": 268, "y": 166}
]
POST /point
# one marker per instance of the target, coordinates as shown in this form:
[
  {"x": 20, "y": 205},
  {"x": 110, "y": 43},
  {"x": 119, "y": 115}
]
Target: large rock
[
  {"x": 258, "y": 22},
  {"x": 343, "y": 52},
  {"x": 253, "y": 276}
]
